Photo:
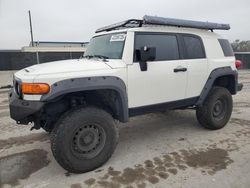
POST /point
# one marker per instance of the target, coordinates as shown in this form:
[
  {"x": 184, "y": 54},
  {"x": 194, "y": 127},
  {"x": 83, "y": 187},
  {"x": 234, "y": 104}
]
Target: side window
[
  {"x": 166, "y": 45},
  {"x": 194, "y": 48},
  {"x": 226, "y": 47}
]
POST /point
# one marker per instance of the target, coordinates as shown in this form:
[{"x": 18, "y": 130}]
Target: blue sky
[{"x": 76, "y": 20}]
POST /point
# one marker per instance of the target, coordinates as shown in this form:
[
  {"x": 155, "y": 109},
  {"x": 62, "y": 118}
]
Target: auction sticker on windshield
[{"x": 118, "y": 38}]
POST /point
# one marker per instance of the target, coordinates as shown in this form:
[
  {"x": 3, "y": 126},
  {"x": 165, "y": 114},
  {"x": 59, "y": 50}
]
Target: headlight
[{"x": 35, "y": 88}]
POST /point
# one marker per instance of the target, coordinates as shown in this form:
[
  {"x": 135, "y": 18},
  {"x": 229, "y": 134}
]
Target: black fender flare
[
  {"x": 91, "y": 83},
  {"x": 216, "y": 73}
]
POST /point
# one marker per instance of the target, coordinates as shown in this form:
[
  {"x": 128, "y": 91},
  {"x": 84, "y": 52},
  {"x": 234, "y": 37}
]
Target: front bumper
[
  {"x": 239, "y": 86},
  {"x": 22, "y": 110}
]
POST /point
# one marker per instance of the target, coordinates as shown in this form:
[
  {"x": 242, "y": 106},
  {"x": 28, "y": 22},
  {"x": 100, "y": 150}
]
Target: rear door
[
  {"x": 197, "y": 64},
  {"x": 162, "y": 82}
]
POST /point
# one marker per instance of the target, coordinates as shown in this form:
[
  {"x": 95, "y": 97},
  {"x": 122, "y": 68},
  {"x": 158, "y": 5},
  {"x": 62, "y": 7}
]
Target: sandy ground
[
  {"x": 6, "y": 78},
  {"x": 156, "y": 150}
]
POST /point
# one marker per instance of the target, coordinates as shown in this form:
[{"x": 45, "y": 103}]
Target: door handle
[{"x": 180, "y": 69}]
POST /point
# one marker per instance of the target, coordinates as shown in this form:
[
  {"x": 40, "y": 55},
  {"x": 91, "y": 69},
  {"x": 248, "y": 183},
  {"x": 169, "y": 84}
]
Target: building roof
[
  {"x": 248, "y": 53},
  {"x": 9, "y": 50},
  {"x": 52, "y": 49},
  {"x": 59, "y": 44},
  {"x": 53, "y": 46}
]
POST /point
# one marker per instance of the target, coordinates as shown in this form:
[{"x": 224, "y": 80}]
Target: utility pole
[
  {"x": 31, "y": 32},
  {"x": 32, "y": 40}
]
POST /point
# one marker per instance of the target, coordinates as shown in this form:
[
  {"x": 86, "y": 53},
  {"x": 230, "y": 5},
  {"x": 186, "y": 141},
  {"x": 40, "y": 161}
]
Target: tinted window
[
  {"x": 194, "y": 47},
  {"x": 226, "y": 47},
  {"x": 166, "y": 45}
]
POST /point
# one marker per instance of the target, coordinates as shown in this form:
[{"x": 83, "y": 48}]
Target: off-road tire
[
  {"x": 209, "y": 115},
  {"x": 64, "y": 148}
]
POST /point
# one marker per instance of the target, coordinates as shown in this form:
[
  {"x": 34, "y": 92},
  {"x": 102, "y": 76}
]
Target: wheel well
[
  {"x": 107, "y": 99},
  {"x": 227, "y": 81}
]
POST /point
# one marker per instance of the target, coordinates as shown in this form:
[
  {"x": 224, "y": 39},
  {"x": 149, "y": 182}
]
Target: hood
[{"x": 64, "y": 66}]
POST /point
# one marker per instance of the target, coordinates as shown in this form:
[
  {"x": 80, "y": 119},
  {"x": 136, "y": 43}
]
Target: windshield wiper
[
  {"x": 101, "y": 56},
  {"x": 96, "y": 56},
  {"x": 87, "y": 56}
]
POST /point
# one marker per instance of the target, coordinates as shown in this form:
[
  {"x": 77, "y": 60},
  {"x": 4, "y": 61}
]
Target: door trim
[{"x": 184, "y": 103}]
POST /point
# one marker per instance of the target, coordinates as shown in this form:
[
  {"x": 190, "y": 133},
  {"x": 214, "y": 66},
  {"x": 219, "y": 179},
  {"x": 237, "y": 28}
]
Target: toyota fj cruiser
[{"x": 130, "y": 68}]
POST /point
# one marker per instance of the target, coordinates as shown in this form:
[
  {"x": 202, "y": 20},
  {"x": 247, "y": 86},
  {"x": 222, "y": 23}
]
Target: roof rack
[
  {"x": 125, "y": 24},
  {"x": 154, "y": 20}
]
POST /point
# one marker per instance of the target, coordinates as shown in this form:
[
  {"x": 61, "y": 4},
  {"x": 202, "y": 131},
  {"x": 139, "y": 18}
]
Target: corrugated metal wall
[
  {"x": 18, "y": 60},
  {"x": 245, "y": 58}
]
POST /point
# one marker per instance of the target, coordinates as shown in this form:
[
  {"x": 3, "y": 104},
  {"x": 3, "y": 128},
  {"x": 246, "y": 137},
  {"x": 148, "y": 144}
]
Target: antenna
[{"x": 31, "y": 32}]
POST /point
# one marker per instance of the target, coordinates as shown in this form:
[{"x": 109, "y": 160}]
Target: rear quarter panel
[{"x": 215, "y": 55}]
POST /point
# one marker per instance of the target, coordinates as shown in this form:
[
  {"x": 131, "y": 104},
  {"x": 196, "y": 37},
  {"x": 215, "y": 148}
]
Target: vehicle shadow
[{"x": 158, "y": 132}]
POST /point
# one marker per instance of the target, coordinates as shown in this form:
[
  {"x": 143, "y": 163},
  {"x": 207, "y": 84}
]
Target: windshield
[{"x": 109, "y": 46}]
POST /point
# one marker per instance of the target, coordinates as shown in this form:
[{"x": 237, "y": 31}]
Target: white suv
[{"x": 130, "y": 68}]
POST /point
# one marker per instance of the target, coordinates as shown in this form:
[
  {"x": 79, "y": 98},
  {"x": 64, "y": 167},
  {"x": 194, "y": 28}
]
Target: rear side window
[
  {"x": 226, "y": 47},
  {"x": 194, "y": 47},
  {"x": 166, "y": 45}
]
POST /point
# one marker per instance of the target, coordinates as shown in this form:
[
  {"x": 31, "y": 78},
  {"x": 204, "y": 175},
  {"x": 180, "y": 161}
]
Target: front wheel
[
  {"x": 84, "y": 139},
  {"x": 217, "y": 109}
]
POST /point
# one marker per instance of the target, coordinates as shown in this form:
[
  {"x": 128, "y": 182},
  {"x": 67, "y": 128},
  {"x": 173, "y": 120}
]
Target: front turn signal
[{"x": 35, "y": 88}]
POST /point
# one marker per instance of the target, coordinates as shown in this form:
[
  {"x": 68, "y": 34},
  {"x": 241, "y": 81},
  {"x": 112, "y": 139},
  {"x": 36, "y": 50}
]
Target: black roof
[{"x": 154, "y": 20}]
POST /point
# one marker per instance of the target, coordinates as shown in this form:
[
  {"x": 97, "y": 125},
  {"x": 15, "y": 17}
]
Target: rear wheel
[
  {"x": 84, "y": 139},
  {"x": 216, "y": 110}
]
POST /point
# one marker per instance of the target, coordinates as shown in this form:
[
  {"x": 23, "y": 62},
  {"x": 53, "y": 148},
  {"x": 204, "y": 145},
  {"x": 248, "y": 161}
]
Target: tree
[{"x": 241, "y": 46}]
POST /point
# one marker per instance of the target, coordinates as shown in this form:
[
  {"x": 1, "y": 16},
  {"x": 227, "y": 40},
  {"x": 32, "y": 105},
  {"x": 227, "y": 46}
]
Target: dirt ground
[{"x": 156, "y": 150}]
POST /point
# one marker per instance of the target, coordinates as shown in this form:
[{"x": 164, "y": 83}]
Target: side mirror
[{"x": 145, "y": 54}]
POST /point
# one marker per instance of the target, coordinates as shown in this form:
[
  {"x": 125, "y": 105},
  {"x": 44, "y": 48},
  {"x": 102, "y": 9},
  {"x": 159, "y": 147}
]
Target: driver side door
[{"x": 165, "y": 79}]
